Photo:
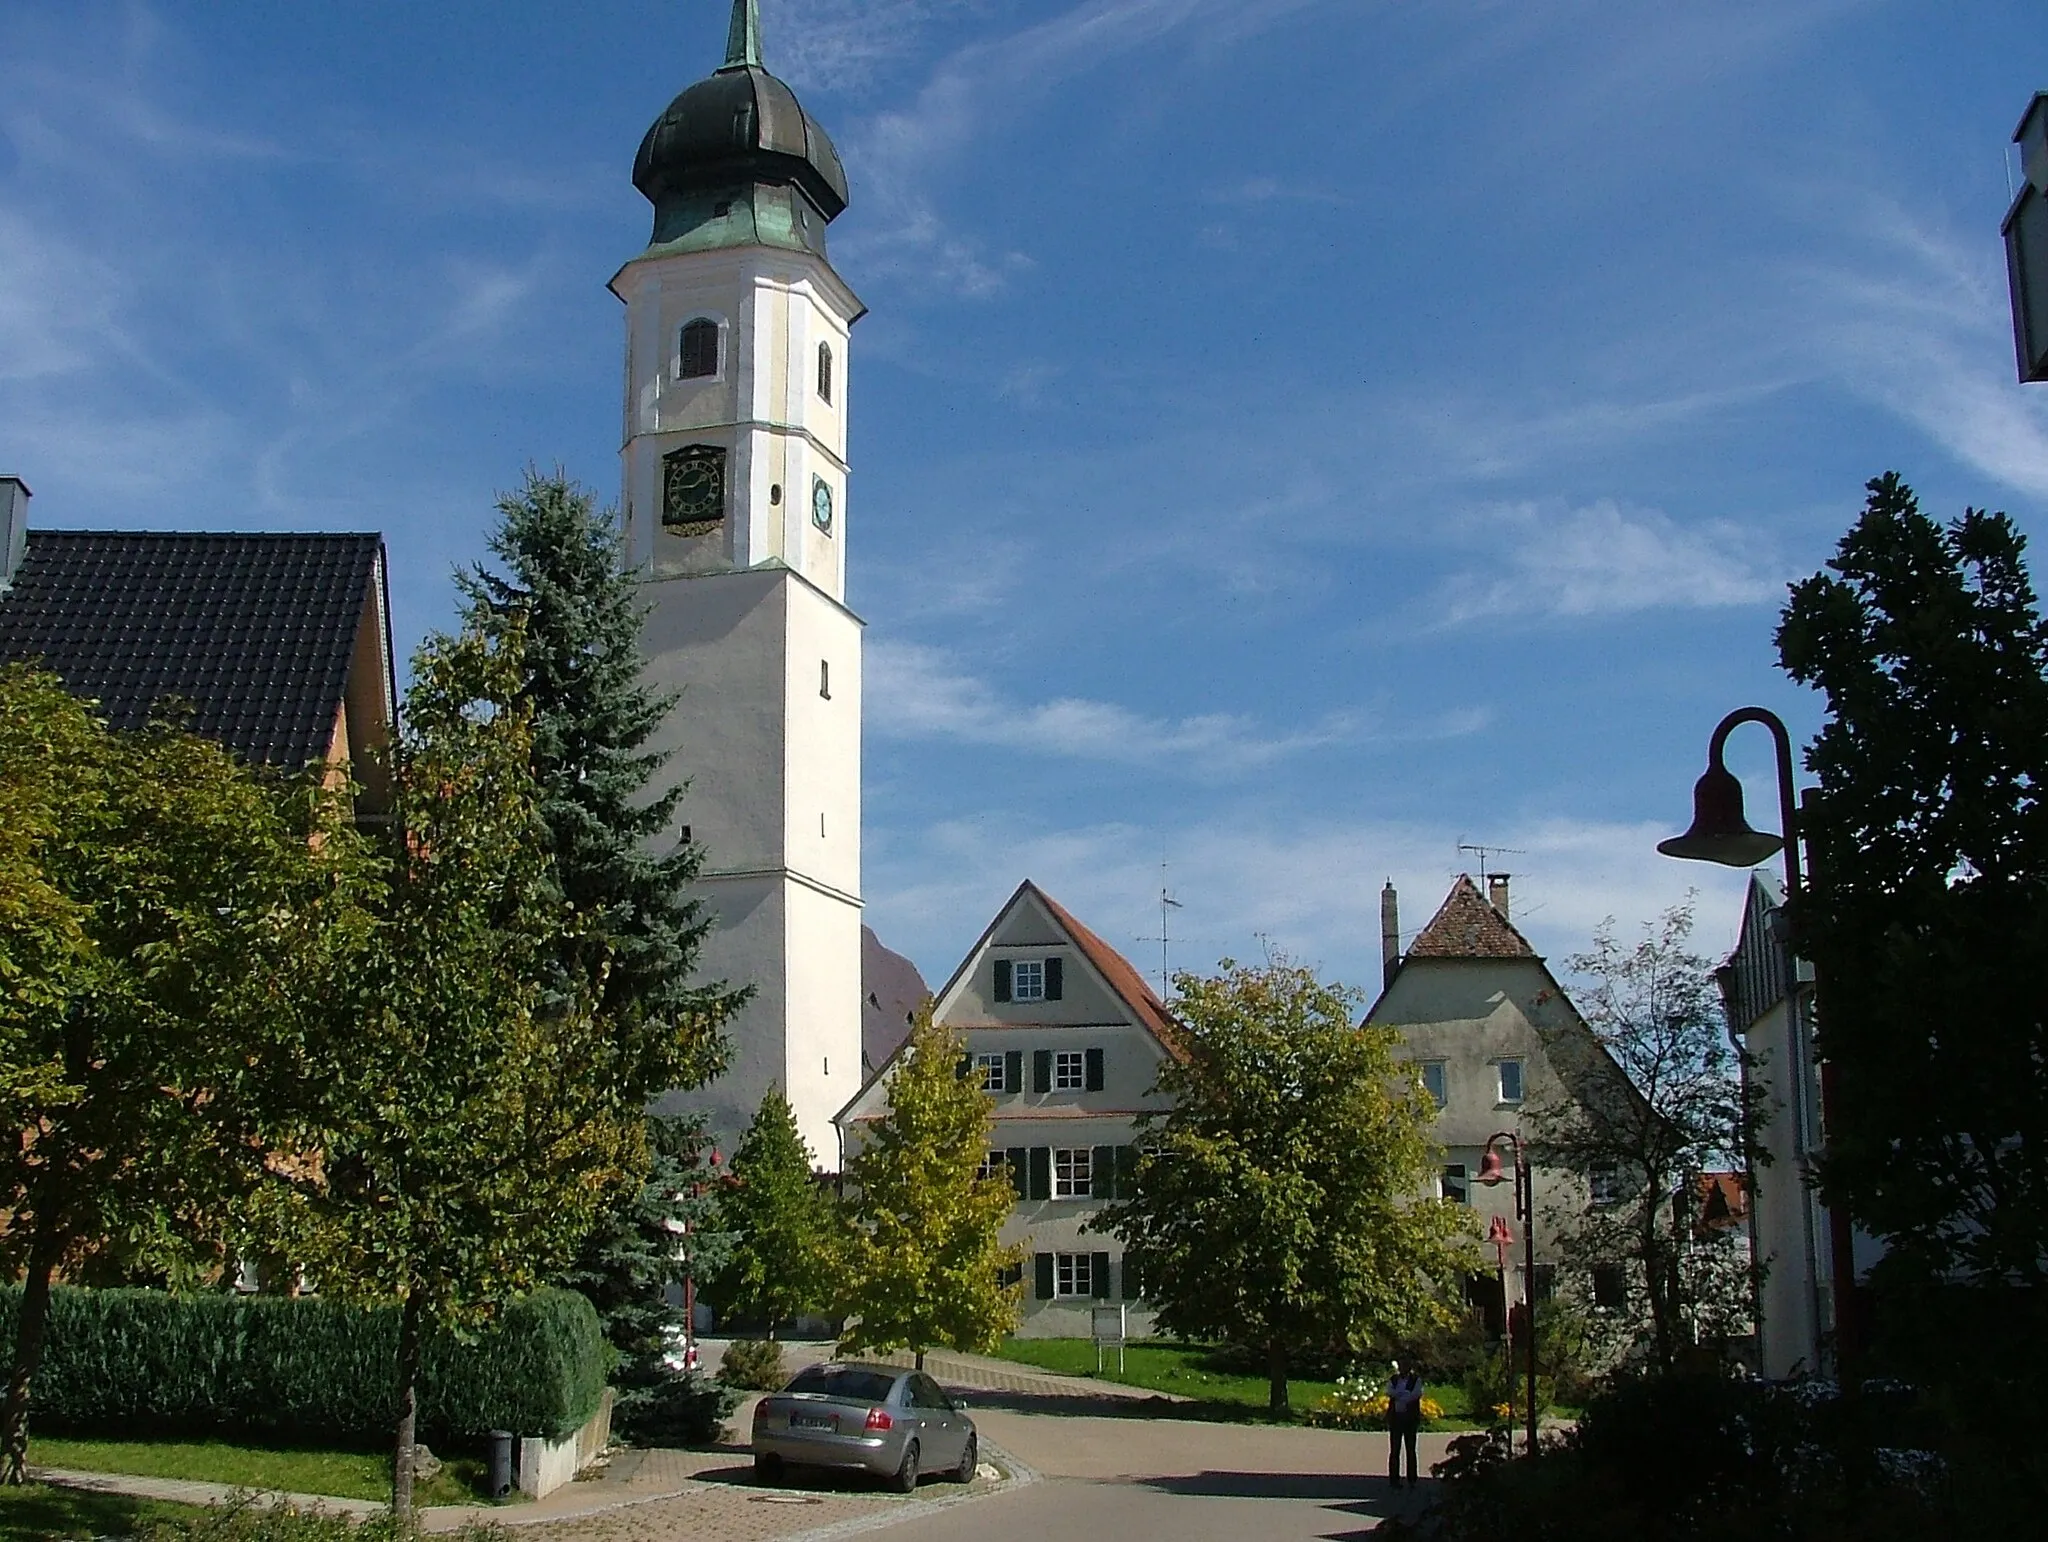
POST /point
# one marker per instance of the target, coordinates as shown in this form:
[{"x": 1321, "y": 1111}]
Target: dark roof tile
[{"x": 1466, "y": 926}]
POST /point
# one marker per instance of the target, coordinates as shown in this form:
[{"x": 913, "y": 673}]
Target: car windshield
[{"x": 839, "y": 1381}]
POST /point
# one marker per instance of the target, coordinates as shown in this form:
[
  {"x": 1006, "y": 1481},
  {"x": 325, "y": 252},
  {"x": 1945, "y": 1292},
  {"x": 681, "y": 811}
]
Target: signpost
[{"x": 1109, "y": 1328}]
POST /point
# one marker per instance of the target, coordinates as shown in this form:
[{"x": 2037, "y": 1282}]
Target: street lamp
[
  {"x": 1490, "y": 1173},
  {"x": 1720, "y": 833}
]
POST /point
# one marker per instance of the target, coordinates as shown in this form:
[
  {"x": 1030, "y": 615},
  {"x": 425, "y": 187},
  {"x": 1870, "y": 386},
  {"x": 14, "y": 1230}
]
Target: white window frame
[
  {"x": 1440, "y": 1093},
  {"x": 1069, "y": 1070},
  {"x": 991, "y": 1069},
  {"x": 1027, "y": 979},
  {"x": 1607, "y": 1184},
  {"x": 1073, "y": 1172},
  {"x": 1500, "y": 1080},
  {"x": 1073, "y": 1276},
  {"x": 995, "y": 1163}
]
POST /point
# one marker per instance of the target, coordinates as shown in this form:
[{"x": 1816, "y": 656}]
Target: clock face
[
  {"x": 693, "y": 489},
  {"x": 821, "y": 503}
]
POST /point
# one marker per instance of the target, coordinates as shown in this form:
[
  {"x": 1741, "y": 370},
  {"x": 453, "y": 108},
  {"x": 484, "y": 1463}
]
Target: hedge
[{"x": 300, "y": 1368}]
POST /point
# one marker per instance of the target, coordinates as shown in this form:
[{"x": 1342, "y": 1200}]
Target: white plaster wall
[
  {"x": 748, "y": 946},
  {"x": 822, "y": 769},
  {"x": 1790, "y": 1238},
  {"x": 821, "y": 1061}
]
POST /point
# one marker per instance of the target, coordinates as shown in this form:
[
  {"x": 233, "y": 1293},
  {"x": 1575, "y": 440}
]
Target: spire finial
[{"x": 743, "y": 37}]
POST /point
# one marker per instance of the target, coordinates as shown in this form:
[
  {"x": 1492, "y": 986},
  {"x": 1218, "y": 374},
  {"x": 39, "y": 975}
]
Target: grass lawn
[
  {"x": 37, "y": 1513},
  {"x": 338, "y": 1474},
  {"x": 1193, "y": 1370}
]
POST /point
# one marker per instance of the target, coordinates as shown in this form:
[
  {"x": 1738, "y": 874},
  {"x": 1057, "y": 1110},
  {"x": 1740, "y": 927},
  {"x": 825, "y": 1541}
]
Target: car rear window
[{"x": 835, "y": 1381}]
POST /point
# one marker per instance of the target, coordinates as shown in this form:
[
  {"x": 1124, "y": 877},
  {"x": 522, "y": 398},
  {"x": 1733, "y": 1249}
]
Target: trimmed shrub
[
  {"x": 676, "y": 1409},
  {"x": 301, "y": 1368},
  {"x": 753, "y": 1364},
  {"x": 245, "y": 1520}
]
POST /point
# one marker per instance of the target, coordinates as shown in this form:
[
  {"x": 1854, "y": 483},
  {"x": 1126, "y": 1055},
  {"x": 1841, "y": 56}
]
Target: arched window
[
  {"x": 700, "y": 349},
  {"x": 825, "y": 370},
  {"x": 693, "y": 489}
]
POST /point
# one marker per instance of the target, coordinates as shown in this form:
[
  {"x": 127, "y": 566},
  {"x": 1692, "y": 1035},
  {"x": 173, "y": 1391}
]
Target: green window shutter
[
  {"x": 1094, "y": 1070},
  {"x": 1055, "y": 978},
  {"x": 1098, "y": 1274},
  {"x": 1013, "y": 1070},
  {"x": 1041, "y": 1070},
  {"x": 1018, "y": 1157},
  {"x": 1041, "y": 1265},
  {"x": 1127, "y": 1172},
  {"x": 1102, "y": 1173},
  {"x": 1132, "y": 1268},
  {"x": 1002, "y": 979},
  {"x": 965, "y": 1066},
  {"x": 1041, "y": 1172}
]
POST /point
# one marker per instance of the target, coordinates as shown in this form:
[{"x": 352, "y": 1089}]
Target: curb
[{"x": 1020, "y": 1476}]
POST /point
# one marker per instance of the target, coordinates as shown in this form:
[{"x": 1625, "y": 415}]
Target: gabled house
[
  {"x": 1496, "y": 1037},
  {"x": 1068, "y": 1037},
  {"x": 278, "y": 645}
]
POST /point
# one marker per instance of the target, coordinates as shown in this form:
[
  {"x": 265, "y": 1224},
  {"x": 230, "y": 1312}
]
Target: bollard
[{"x": 501, "y": 1463}]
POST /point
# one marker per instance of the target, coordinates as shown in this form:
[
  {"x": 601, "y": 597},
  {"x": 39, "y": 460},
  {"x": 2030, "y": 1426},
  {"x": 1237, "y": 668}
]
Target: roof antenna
[
  {"x": 1167, "y": 906},
  {"x": 1483, "y": 852}
]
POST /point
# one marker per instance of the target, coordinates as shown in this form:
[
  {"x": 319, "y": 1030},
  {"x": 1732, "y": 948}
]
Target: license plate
[{"x": 813, "y": 1422}]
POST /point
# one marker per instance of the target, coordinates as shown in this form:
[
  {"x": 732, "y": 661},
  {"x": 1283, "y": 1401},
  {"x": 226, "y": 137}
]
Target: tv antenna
[
  {"x": 1167, "y": 906},
  {"x": 1483, "y": 852}
]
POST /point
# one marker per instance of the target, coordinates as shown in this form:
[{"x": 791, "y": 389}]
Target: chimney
[
  {"x": 1497, "y": 892},
  {"x": 1390, "y": 934},
  {"x": 14, "y": 496}
]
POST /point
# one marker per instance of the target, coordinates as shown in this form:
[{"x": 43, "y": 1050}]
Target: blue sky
[{"x": 1290, "y": 437}]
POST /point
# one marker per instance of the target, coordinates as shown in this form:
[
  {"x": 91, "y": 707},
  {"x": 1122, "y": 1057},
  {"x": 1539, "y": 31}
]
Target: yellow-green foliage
[
  {"x": 924, "y": 1265},
  {"x": 1356, "y": 1403}
]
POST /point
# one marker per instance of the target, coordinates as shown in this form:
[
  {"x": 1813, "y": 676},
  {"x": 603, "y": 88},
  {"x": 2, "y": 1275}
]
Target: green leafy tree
[
  {"x": 469, "y": 1123},
  {"x": 1637, "y": 1139},
  {"x": 1927, "y": 912},
  {"x": 169, "y": 917},
  {"x": 638, "y": 1254},
  {"x": 925, "y": 1264},
  {"x": 781, "y": 1224},
  {"x": 576, "y": 608},
  {"x": 1279, "y": 1203}
]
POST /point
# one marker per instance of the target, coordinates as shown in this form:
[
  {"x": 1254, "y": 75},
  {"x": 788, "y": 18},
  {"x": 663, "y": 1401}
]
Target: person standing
[{"x": 1404, "y": 1421}]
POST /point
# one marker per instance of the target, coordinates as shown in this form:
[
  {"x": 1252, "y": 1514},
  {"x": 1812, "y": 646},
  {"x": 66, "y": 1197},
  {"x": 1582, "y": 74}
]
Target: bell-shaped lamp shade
[
  {"x": 1498, "y": 1232},
  {"x": 1490, "y": 1169},
  {"x": 1719, "y": 831}
]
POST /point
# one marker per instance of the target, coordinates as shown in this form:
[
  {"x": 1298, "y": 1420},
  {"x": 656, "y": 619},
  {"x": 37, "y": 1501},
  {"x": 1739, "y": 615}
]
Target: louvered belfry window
[
  {"x": 700, "y": 349},
  {"x": 825, "y": 371}
]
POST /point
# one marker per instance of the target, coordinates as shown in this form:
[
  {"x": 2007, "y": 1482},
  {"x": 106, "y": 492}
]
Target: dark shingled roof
[
  {"x": 1466, "y": 926},
  {"x": 255, "y": 631}
]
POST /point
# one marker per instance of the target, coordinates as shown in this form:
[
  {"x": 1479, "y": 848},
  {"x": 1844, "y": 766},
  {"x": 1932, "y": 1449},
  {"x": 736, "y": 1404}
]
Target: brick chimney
[
  {"x": 14, "y": 496},
  {"x": 1390, "y": 934},
  {"x": 1497, "y": 892}
]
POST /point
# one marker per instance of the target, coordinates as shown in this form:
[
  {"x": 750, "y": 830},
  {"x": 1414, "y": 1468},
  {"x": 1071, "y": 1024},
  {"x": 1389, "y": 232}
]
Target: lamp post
[
  {"x": 1490, "y": 1173},
  {"x": 1720, "y": 833}
]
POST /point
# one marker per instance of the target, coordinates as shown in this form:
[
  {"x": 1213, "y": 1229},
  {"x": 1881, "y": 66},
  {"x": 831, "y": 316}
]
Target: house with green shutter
[{"x": 1068, "y": 1038}]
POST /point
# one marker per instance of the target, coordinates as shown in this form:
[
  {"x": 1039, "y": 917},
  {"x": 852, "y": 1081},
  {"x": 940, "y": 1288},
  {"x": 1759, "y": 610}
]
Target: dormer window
[
  {"x": 825, "y": 371},
  {"x": 699, "y": 352}
]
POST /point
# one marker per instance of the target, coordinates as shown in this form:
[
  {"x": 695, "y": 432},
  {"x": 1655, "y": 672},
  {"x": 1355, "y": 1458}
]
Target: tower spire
[{"x": 743, "y": 37}]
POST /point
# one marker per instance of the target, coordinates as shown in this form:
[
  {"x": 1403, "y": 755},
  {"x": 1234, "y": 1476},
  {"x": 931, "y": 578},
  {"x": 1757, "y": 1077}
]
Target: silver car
[{"x": 893, "y": 1423}]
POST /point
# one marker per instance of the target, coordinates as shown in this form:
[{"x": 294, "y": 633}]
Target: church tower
[{"x": 736, "y": 516}]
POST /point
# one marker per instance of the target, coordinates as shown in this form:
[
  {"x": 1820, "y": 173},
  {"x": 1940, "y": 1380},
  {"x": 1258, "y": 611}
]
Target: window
[
  {"x": 699, "y": 349},
  {"x": 1610, "y": 1287},
  {"x": 1072, "y": 1274},
  {"x": 1451, "y": 1184},
  {"x": 1433, "y": 1080},
  {"x": 693, "y": 489},
  {"x": 1072, "y": 1173},
  {"x": 1510, "y": 1080},
  {"x": 1027, "y": 979},
  {"x": 994, "y": 1164},
  {"x": 990, "y": 1068},
  {"x": 1069, "y": 1070},
  {"x": 1607, "y": 1185},
  {"x": 825, "y": 370},
  {"x": 825, "y": 678}
]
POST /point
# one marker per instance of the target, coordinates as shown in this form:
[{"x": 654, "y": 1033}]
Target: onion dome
[{"x": 735, "y": 160}]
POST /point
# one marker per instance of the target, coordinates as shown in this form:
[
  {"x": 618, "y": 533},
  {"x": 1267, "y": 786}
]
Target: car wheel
[
  {"x": 767, "y": 1467},
  {"x": 970, "y": 1460},
  {"x": 905, "y": 1481}
]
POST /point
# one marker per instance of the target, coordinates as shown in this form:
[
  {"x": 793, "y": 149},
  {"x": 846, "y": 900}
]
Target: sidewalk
[{"x": 986, "y": 1374}]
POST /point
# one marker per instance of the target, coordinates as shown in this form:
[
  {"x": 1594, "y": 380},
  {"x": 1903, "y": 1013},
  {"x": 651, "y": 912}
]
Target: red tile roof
[
  {"x": 1723, "y": 1200},
  {"x": 1466, "y": 926},
  {"x": 1122, "y": 977}
]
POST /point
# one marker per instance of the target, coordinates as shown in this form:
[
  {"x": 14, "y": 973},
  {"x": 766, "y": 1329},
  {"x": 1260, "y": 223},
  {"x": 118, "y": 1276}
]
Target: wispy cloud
[
  {"x": 918, "y": 692},
  {"x": 1603, "y": 560}
]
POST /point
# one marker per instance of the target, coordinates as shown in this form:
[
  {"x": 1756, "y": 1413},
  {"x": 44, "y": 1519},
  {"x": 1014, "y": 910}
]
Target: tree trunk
[
  {"x": 1276, "y": 1379},
  {"x": 29, "y": 1330},
  {"x": 408, "y": 1407},
  {"x": 920, "y": 1358}
]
